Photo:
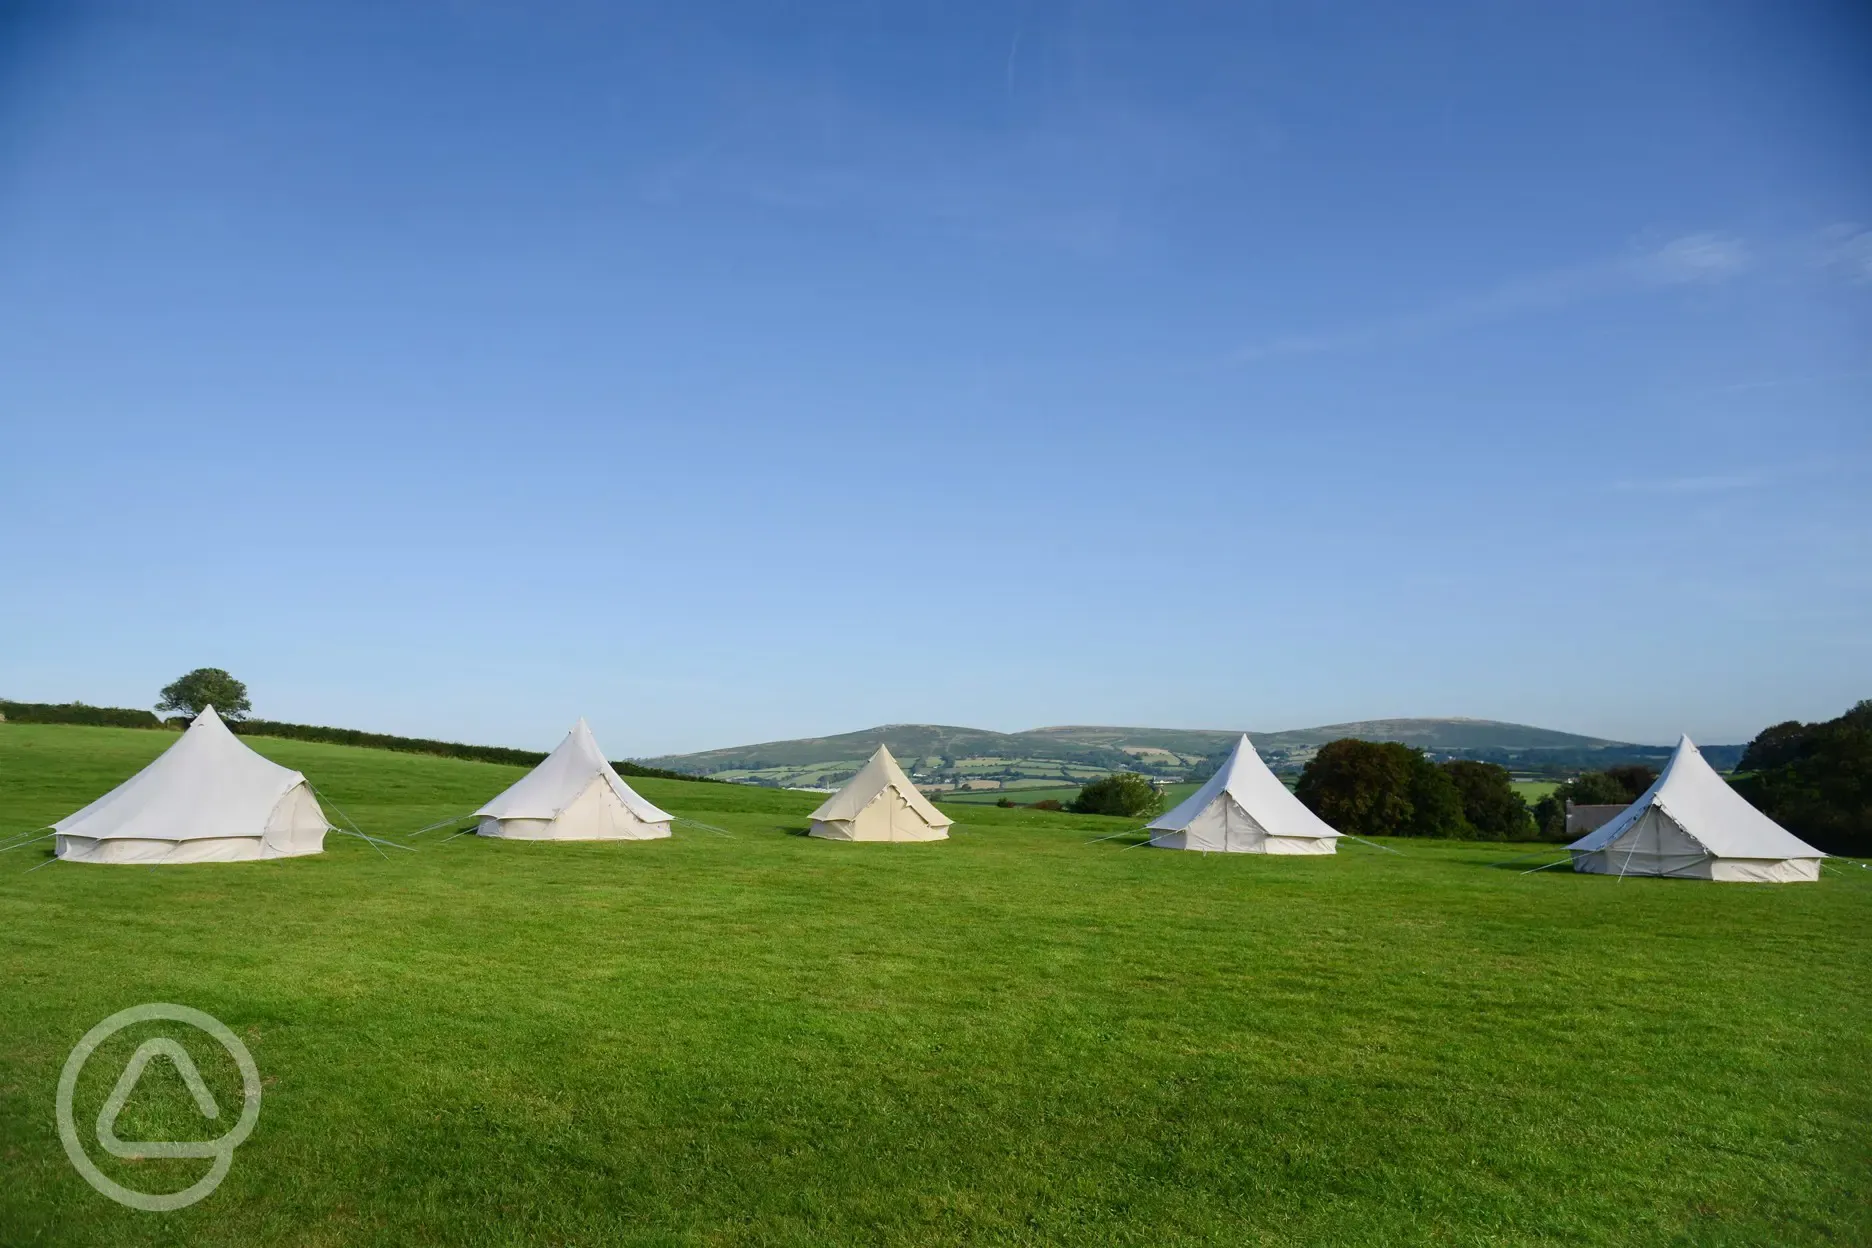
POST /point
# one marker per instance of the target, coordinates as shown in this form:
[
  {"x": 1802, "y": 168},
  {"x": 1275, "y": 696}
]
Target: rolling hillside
[{"x": 944, "y": 757}]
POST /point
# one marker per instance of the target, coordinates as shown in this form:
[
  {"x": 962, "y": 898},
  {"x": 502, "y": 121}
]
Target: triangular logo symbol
[{"x": 126, "y": 1084}]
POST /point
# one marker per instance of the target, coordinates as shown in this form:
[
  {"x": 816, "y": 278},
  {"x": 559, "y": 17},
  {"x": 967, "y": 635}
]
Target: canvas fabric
[
  {"x": 879, "y": 804},
  {"x": 573, "y": 795},
  {"x": 1690, "y": 824},
  {"x": 207, "y": 798},
  {"x": 1243, "y": 809}
]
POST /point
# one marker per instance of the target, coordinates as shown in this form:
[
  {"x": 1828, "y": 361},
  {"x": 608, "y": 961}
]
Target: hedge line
[
  {"x": 422, "y": 745},
  {"x": 76, "y": 713},
  {"x": 119, "y": 717}
]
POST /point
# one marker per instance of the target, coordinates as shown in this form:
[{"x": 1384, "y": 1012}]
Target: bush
[
  {"x": 1005, "y": 803},
  {"x": 422, "y": 745},
  {"x": 1046, "y": 803},
  {"x": 1489, "y": 800},
  {"x": 118, "y": 717},
  {"x": 1815, "y": 780},
  {"x": 1122, "y": 793},
  {"x": 1615, "y": 786},
  {"x": 76, "y": 713},
  {"x": 1371, "y": 788}
]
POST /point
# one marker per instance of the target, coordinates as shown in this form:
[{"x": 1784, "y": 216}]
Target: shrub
[
  {"x": 1815, "y": 780},
  {"x": 1615, "y": 786},
  {"x": 422, "y": 745},
  {"x": 1489, "y": 801},
  {"x": 1372, "y": 788},
  {"x": 1122, "y": 793},
  {"x": 1046, "y": 803},
  {"x": 76, "y": 713}
]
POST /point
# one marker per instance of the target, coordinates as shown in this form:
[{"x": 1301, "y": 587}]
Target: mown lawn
[{"x": 1011, "y": 1037}]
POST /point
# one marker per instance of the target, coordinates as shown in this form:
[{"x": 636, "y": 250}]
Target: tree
[
  {"x": 1776, "y": 746},
  {"x": 1815, "y": 780},
  {"x": 204, "y": 687},
  {"x": 1121, "y": 793},
  {"x": 1615, "y": 786},
  {"x": 1633, "y": 778},
  {"x": 1373, "y": 788},
  {"x": 1489, "y": 800}
]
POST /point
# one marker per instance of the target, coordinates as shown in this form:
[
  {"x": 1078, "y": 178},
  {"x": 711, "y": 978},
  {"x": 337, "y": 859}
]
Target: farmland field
[
  {"x": 744, "y": 1036},
  {"x": 1173, "y": 793}
]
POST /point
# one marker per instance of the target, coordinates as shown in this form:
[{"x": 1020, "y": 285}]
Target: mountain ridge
[{"x": 953, "y": 756}]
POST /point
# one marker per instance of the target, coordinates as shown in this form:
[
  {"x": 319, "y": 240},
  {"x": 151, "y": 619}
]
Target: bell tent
[
  {"x": 880, "y": 804},
  {"x": 207, "y": 798},
  {"x": 1691, "y": 825},
  {"x": 1244, "y": 809},
  {"x": 573, "y": 795}
]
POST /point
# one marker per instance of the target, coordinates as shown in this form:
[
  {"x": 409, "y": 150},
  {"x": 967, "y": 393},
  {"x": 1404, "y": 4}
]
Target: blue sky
[{"x": 728, "y": 373}]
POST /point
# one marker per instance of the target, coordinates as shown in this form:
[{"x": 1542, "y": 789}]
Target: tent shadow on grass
[{"x": 1527, "y": 861}]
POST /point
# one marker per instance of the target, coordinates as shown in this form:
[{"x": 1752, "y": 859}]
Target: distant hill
[
  {"x": 1428, "y": 734},
  {"x": 941, "y": 756}
]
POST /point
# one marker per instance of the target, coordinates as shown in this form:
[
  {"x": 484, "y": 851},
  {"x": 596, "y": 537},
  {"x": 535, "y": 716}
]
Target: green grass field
[
  {"x": 1173, "y": 794},
  {"x": 1532, "y": 791},
  {"x": 1012, "y": 1037}
]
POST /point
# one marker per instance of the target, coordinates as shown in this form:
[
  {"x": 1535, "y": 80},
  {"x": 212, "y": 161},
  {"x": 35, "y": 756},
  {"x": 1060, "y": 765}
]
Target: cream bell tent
[
  {"x": 1692, "y": 826},
  {"x": 573, "y": 795},
  {"x": 208, "y": 798},
  {"x": 880, "y": 804},
  {"x": 1244, "y": 809}
]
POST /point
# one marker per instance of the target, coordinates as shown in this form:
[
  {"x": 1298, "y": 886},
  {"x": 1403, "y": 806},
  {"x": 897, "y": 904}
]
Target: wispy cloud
[
  {"x": 1689, "y": 260},
  {"x": 1693, "y": 258},
  {"x": 1847, "y": 249}
]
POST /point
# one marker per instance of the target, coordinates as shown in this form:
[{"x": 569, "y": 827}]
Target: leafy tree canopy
[
  {"x": 1815, "y": 780},
  {"x": 1122, "y": 793},
  {"x": 203, "y": 687},
  {"x": 1489, "y": 800},
  {"x": 1615, "y": 786},
  {"x": 1370, "y": 788}
]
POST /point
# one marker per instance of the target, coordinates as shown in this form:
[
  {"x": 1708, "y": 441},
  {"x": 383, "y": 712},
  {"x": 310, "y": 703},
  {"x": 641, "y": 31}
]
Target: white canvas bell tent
[
  {"x": 1244, "y": 809},
  {"x": 1691, "y": 825},
  {"x": 208, "y": 798},
  {"x": 573, "y": 795},
  {"x": 879, "y": 804}
]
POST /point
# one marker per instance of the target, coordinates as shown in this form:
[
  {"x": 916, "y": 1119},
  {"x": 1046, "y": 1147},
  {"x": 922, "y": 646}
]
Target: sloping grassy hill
[
  {"x": 1010, "y": 1037},
  {"x": 1461, "y": 734},
  {"x": 939, "y": 756}
]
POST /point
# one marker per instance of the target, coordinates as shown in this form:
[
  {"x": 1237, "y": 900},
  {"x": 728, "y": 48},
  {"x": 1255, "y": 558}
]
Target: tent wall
[
  {"x": 832, "y": 829},
  {"x": 1766, "y": 870},
  {"x": 1657, "y": 845},
  {"x": 889, "y": 817},
  {"x": 297, "y": 826},
  {"x": 597, "y": 814},
  {"x": 1223, "y": 827},
  {"x": 131, "y": 851}
]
